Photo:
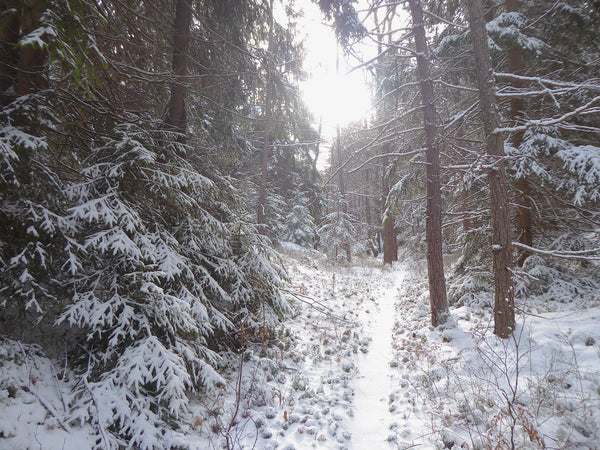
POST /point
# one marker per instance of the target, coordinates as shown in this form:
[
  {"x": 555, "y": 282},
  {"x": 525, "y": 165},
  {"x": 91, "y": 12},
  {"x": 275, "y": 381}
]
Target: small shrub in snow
[
  {"x": 337, "y": 234},
  {"x": 300, "y": 228}
]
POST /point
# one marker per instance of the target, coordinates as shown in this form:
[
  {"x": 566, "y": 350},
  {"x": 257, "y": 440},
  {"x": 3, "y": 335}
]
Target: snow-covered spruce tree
[
  {"x": 300, "y": 227},
  {"x": 275, "y": 214},
  {"x": 113, "y": 243},
  {"x": 34, "y": 227},
  {"x": 163, "y": 270},
  {"x": 337, "y": 233}
]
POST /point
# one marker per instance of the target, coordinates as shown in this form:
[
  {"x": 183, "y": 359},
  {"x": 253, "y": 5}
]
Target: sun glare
[
  {"x": 333, "y": 95},
  {"x": 336, "y": 99}
]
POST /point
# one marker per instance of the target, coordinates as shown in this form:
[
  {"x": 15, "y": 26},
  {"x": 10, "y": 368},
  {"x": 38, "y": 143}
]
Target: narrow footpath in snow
[{"x": 372, "y": 419}]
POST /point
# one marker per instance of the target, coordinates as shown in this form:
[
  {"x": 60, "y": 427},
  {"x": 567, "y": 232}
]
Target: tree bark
[
  {"x": 342, "y": 182},
  {"x": 9, "y": 37},
  {"x": 433, "y": 220},
  {"x": 176, "y": 116},
  {"x": 523, "y": 200},
  {"x": 30, "y": 65},
  {"x": 21, "y": 68},
  {"x": 368, "y": 218},
  {"x": 504, "y": 313},
  {"x": 264, "y": 167},
  {"x": 390, "y": 244},
  {"x": 266, "y": 150},
  {"x": 386, "y": 236}
]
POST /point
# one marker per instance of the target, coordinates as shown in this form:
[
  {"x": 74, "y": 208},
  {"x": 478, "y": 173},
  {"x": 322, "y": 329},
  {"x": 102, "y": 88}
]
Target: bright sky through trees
[{"x": 336, "y": 96}]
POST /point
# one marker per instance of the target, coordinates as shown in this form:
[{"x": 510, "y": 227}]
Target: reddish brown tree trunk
[
  {"x": 176, "y": 116},
  {"x": 504, "y": 311},
  {"x": 523, "y": 199},
  {"x": 464, "y": 209},
  {"x": 21, "y": 68},
  {"x": 30, "y": 65},
  {"x": 433, "y": 220},
  {"x": 368, "y": 218},
  {"x": 524, "y": 217},
  {"x": 266, "y": 150},
  {"x": 390, "y": 243},
  {"x": 9, "y": 37}
]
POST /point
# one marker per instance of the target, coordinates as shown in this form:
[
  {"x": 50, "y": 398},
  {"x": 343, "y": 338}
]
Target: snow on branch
[
  {"x": 550, "y": 121},
  {"x": 582, "y": 254},
  {"x": 566, "y": 84},
  {"x": 447, "y": 22},
  {"x": 386, "y": 155}
]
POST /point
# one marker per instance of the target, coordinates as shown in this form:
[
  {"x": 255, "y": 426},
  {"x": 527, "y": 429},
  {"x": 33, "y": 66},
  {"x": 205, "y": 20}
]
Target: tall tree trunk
[
  {"x": 264, "y": 167},
  {"x": 266, "y": 150},
  {"x": 176, "y": 116},
  {"x": 504, "y": 311},
  {"x": 523, "y": 199},
  {"x": 386, "y": 235},
  {"x": 390, "y": 243},
  {"x": 368, "y": 217},
  {"x": 342, "y": 182},
  {"x": 9, "y": 37},
  {"x": 30, "y": 64},
  {"x": 464, "y": 209},
  {"x": 433, "y": 220},
  {"x": 21, "y": 68}
]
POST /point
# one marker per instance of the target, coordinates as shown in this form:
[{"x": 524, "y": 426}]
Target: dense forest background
[{"x": 153, "y": 154}]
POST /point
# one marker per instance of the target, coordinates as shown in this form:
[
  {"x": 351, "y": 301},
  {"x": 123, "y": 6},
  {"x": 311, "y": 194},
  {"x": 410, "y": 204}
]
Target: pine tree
[
  {"x": 435, "y": 261},
  {"x": 504, "y": 310}
]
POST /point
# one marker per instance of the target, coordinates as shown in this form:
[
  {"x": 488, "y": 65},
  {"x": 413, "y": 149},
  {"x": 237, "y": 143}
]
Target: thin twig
[
  {"x": 320, "y": 308},
  {"x": 46, "y": 406},
  {"x": 238, "y": 398}
]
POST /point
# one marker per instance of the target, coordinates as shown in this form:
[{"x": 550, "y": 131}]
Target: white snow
[
  {"x": 358, "y": 366},
  {"x": 372, "y": 417}
]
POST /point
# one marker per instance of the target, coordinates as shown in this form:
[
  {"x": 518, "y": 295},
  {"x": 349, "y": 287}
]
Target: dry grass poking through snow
[
  {"x": 460, "y": 387},
  {"x": 297, "y": 392}
]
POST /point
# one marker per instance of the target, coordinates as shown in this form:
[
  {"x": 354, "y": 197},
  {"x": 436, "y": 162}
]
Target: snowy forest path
[
  {"x": 372, "y": 418},
  {"x": 329, "y": 380}
]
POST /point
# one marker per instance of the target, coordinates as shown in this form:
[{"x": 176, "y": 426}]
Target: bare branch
[{"x": 561, "y": 254}]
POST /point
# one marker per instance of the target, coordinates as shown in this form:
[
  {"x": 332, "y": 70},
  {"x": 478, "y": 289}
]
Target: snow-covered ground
[
  {"x": 372, "y": 416},
  {"x": 357, "y": 366}
]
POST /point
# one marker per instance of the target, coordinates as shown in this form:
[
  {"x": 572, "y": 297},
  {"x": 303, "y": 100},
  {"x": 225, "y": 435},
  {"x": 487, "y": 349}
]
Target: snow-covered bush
[
  {"x": 161, "y": 271},
  {"x": 559, "y": 164},
  {"x": 300, "y": 228},
  {"x": 34, "y": 226},
  {"x": 557, "y": 281},
  {"x": 275, "y": 215},
  {"x": 471, "y": 277},
  {"x": 337, "y": 234}
]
